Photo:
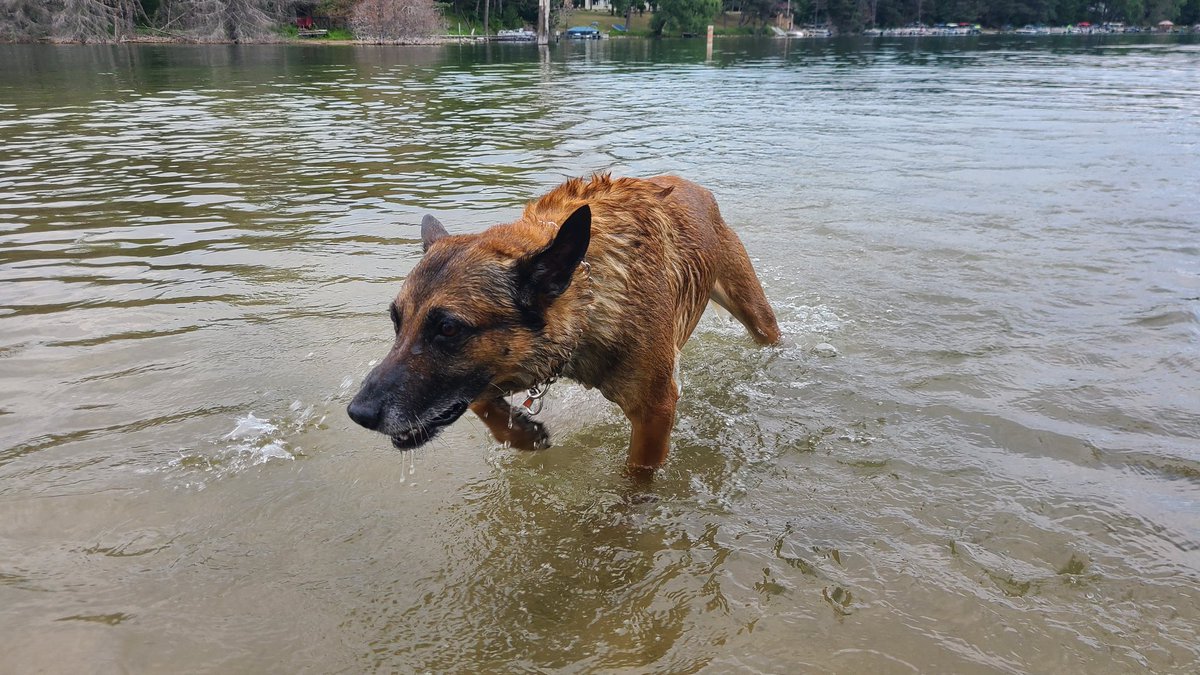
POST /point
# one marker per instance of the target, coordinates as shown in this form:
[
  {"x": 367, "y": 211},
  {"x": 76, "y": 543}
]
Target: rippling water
[{"x": 999, "y": 472}]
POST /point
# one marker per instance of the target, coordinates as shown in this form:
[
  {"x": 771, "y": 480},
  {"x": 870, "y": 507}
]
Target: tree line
[
  {"x": 675, "y": 16},
  {"x": 256, "y": 20},
  {"x": 854, "y": 15}
]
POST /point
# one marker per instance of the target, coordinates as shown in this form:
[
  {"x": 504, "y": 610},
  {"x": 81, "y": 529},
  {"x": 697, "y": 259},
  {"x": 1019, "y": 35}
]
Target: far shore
[{"x": 467, "y": 39}]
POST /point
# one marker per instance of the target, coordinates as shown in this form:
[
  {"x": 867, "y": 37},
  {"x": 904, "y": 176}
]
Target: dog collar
[
  {"x": 534, "y": 396},
  {"x": 533, "y": 400}
]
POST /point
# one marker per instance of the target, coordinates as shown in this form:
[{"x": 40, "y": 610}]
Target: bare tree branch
[
  {"x": 24, "y": 20},
  {"x": 384, "y": 21},
  {"x": 222, "y": 20}
]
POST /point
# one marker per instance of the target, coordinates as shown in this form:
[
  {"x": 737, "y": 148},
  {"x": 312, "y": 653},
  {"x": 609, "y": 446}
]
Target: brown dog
[{"x": 600, "y": 281}]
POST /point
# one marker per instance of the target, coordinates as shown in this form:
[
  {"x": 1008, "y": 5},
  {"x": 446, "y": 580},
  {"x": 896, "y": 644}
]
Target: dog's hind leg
[
  {"x": 739, "y": 292},
  {"x": 511, "y": 425}
]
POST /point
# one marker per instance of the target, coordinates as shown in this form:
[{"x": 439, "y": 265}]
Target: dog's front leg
[
  {"x": 651, "y": 438},
  {"x": 511, "y": 425}
]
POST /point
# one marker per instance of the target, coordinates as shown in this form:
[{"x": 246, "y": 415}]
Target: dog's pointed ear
[
  {"x": 546, "y": 274},
  {"x": 431, "y": 231}
]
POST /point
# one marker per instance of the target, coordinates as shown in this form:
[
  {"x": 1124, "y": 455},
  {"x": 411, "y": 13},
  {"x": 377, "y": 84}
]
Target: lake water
[{"x": 999, "y": 471}]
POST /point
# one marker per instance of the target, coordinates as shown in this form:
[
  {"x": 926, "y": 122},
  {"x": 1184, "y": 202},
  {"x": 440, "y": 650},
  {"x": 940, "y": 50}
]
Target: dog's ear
[
  {"x": 431, "y": 231},
  {"x": 546, "y": 274}
]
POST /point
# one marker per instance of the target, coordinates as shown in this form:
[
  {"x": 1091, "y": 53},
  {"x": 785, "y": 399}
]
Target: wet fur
[{"x": 654, "y": 252}]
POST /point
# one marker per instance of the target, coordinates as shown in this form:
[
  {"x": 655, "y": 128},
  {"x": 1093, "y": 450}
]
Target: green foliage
[
  {"x": 853, "y": 15},
  {"x": 1157, "y": 10},
  {"x": 503, "y": 14},
  {"x": 336, "y": 9},
  {"x": 1131, "y": 9},
  {"x": 757, "y": 11},
  {"x": 684, "y": 16},
  {"x": 846, "y": 15},
  {"x": 149, "y": 7},
  {"x": 1189, "y": 13}
]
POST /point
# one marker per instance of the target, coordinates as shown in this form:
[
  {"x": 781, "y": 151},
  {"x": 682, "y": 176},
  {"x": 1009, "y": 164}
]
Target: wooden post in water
[
  {"x": 543, "y": 29},
  {"x": 708, "y": 49}
]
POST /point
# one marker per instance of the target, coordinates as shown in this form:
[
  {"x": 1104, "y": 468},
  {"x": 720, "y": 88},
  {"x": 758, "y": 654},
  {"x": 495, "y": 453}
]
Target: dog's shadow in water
[{"x": 550, "y": 549}]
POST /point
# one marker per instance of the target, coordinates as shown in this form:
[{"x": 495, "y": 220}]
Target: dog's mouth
[{"x": 426, "y": 429}]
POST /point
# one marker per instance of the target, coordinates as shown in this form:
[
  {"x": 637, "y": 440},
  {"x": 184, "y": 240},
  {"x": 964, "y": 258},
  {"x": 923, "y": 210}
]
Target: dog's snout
[{"x": 364, "y": 413}]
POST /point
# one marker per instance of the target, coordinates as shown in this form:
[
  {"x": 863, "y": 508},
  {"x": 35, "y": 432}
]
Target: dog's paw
[
  {"x": 541, "y": 440},
  {"x": 527, "y": 433}
]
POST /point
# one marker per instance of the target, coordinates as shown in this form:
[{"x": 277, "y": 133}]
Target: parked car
[{"x": 583, "y": 33}]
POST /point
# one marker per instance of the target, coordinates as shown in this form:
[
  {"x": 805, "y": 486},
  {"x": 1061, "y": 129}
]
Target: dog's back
[{"x": 659, "y": 246}]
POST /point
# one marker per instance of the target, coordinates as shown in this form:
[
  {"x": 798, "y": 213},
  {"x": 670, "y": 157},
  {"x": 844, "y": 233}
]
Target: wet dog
[{"x": 600, "y": 281}]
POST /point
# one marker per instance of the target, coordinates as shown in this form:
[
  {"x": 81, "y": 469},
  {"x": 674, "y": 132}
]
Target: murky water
[{"x": 999, "y": 472}]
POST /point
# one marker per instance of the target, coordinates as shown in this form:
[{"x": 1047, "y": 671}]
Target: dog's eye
[{"x": 448, "y": 328}]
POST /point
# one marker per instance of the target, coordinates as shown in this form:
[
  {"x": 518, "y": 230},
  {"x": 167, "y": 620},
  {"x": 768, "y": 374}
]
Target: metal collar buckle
[{"x": 533, "y": 402}]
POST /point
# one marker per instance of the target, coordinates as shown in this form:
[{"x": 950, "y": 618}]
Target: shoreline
[{"x": 469, "y": 39}]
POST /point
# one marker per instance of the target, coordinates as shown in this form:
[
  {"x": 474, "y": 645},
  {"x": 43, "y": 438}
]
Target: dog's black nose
[{"x": 364, "y": 413}]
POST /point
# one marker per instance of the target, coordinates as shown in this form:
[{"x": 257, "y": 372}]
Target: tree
[
  {"x": 845, "y": 15},
  {"x": 93, "y": 20},
  {"x": 757, "y": 10},
  {"x": 23, "y": 20},
  {"x": 624, "y": 8},
  {"x": 1157, "y": 10},
  {"x": 68, "y": 20},
  {"x": 220, "y": 20},
  {"x": 1189, "y": 13},
  {"x": 684, "y": 16},
  {"x": 382, "y": 21},
  {"x": 1132, "y": 11},
  {"x": 337, "y": 10}
]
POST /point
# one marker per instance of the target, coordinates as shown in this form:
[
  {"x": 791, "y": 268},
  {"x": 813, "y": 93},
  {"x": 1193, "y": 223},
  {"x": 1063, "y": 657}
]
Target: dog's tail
[{"x": 739, "y": 292}]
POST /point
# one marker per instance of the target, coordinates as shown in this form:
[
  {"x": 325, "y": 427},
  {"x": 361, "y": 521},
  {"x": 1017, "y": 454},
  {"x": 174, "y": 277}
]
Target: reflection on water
[{"x": 997, "y": 472}]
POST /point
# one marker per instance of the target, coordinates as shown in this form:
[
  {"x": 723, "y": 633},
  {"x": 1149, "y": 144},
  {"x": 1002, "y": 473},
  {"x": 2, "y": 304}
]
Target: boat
[
  {"x": 583, "y": 33},
  {"x": 516, "y": 35}
]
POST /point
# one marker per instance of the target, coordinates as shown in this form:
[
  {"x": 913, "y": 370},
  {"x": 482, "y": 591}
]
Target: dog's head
[{"x": 479, "y": 316}]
